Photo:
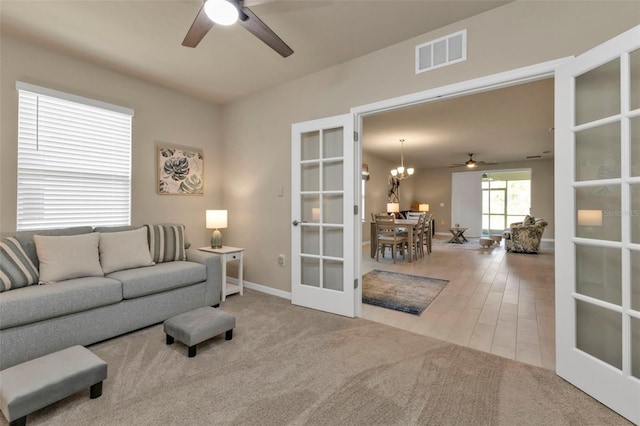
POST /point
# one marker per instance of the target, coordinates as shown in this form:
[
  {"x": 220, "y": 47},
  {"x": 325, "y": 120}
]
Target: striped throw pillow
[
  {"x": 166, "y": 242},
  {"x": 16, "y": 269}
]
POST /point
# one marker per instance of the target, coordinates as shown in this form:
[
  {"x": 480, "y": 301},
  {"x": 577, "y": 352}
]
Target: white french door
[
  {"x": 597, "y": 174},
  {"x": 323, "y": 215}
]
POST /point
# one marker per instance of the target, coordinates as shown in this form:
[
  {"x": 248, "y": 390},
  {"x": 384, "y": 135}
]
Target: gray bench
[
  {"x": 197, "y": 326},
  {"x": 30, "y": 386}
]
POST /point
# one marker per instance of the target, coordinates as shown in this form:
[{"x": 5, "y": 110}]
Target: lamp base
[{"x": 216, "y": 239}]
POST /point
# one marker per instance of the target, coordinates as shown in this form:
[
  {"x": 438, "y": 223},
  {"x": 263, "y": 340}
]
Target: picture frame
[{"x": 180, "y": 170}]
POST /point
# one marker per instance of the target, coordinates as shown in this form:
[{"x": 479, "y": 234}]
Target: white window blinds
[{"x": 74, "y": 161}]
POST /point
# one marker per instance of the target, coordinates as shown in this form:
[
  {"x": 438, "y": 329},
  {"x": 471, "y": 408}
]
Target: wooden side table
[
  {"x": 458, "y": 235},
  {"x": 229, "y": 254}
]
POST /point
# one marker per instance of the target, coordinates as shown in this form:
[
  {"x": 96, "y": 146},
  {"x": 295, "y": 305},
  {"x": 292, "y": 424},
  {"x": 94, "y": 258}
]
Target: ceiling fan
[
  {"x": 227, "y": 12},
  {"x": 471, "y": 163}
]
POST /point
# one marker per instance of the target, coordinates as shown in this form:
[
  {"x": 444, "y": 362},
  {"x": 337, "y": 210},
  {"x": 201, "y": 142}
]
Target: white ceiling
[
  {"x": 501, "y": 125},
  {"x": 143, "y": 37}
]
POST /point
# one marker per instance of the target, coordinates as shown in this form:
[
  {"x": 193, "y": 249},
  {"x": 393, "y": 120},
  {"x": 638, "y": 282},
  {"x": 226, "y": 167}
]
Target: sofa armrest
[{"x": 213, "y": 263}]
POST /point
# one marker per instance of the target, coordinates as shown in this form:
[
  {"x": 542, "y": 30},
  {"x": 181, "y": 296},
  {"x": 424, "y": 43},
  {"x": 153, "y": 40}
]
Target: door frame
[{"x": 483, "y": 84}]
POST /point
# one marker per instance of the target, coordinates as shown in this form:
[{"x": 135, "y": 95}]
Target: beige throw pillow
[
  {"x": 65, "y": 257},
  {"x": 124, "y": 250}
]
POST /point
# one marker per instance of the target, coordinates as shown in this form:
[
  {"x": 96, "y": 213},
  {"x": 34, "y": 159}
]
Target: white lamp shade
[
  {"x": 590, "y": 217},
  {"x": 393, "y": 207},
  {"x": 216, "y": 219},
  {"x": 423, "y": 207},
  {"x": 410, "y": 171},
  {"x": 394, "y": 172},
  {"x": 222, "y": 12}
]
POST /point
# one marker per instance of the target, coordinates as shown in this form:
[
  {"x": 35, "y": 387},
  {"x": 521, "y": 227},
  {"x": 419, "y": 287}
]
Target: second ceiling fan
[
  {"x": 227, "y": 12},
  {"x": 471, "y": 163}
]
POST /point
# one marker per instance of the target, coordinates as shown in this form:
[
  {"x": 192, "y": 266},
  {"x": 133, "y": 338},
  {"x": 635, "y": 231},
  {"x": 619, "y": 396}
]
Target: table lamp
[
  {"x": 393, "y": 208},
  {"x": 216, "y": 219},
  {"x": 423, "y": 207}
]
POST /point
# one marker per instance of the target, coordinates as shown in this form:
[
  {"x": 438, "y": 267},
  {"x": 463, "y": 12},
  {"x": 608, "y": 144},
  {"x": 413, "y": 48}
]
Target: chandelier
[{"x": 400, "y": 172}]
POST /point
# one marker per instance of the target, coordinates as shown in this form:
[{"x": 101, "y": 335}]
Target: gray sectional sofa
[{"x": 39, "y": 319}]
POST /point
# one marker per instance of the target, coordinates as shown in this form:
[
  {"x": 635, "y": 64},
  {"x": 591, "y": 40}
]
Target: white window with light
[
  {"x": 506, "y": 198},
  {"x": 74, "y": 160}
]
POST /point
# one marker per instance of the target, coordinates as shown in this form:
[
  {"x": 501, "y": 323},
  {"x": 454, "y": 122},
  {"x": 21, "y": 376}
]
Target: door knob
[{"x": 295, "y": 223}]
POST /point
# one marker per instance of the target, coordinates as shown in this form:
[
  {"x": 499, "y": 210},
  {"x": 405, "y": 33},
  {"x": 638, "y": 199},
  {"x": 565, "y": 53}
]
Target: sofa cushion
[
  {"x": 26, "y": 238},
  {"x": 38, "y": 303},
  {"x": 16, "y": 269},
  {"x": 67, "y": 257},
  {"x": 166, "y": 243},
  {"x": 158, "y": 278},
  {"x": 124, "y": 250}
]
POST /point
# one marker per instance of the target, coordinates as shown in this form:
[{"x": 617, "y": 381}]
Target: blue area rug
[{"x": 401, "y": 292}]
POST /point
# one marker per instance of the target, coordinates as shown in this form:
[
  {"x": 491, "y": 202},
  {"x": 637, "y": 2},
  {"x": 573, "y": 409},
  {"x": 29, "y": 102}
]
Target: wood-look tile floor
[{"x": 497, "y": 302}]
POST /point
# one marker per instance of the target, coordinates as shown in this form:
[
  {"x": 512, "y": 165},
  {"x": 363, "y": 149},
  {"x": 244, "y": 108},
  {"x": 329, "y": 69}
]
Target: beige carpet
[{"x": 290, "y": 365}]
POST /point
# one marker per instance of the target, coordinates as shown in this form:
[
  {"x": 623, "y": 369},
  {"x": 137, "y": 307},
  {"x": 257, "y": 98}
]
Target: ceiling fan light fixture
[
  {"x": 471, "y": 165},
  {"x": 222, "y": 12}
]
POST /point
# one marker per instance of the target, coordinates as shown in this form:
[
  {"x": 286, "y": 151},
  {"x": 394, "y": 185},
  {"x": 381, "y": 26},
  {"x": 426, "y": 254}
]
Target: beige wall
[
  {"x": 257, "y": 129},
  {"x": 161, "y": 115},
  {"x": 377, "y": 190},
  {"x": 433, "y": 186}
]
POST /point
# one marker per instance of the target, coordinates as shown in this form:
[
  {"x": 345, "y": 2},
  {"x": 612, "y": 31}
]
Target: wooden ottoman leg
[
  {"x": 95, "y": 391},
  {"x": 228, "y": 335},
  {"x": 169, "y": 340},
  {"x": 192, "y": 351}
]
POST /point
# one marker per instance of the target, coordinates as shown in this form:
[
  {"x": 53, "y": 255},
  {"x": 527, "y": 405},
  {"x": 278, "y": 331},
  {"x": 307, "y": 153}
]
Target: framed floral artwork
[{"x": 180, "y": 171}]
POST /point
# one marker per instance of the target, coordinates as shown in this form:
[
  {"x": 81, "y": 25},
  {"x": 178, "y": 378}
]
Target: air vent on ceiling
[
  {"x": 444, "y": 51},
  {"x": 534, "y": 156}
]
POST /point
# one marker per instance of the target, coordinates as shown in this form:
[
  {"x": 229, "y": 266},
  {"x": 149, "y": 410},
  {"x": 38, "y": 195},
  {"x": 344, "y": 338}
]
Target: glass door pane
[
  {"x": 598, "y": 93},
  {"x": 634, "y": 61},
  {"x": 598, "y": 152},
  {"x": 634, "y": 130},
  {"x": 599, "y": 333}
]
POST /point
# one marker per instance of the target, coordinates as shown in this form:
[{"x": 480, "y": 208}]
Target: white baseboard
[
  {"x": 262, "y": 288},
  {"x": 443, "y": 233},
  {"x": 366, "y": 243},
  {"x": 548, "y": 240}
]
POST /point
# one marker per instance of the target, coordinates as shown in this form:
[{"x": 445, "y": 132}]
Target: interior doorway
[{"x": 446, "y": 320}]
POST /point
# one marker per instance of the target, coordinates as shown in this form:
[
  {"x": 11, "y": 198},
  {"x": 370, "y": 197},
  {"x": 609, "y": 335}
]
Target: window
[
  {"x": 506, "y": 198},
  {"x": 74, "y": 160}
]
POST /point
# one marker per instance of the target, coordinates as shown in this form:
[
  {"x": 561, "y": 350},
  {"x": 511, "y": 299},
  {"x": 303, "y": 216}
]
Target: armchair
[{"x": 525, "y": 236}]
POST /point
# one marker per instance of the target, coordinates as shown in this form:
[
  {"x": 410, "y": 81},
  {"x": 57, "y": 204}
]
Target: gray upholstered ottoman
[
  {"x": 199, "y": 325},
  {"x": 30, "y": 386}
]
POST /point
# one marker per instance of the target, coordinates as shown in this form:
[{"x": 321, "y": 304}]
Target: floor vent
[{"x": 444, "y": 51}]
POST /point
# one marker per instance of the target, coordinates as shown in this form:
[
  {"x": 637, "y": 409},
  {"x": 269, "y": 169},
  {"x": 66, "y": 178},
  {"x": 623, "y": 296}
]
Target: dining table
[{"x": 410, "y": 225}]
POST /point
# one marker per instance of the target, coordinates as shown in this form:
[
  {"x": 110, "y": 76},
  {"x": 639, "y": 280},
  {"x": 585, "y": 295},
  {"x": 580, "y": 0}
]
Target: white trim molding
[{"x": 262, "y": 288}]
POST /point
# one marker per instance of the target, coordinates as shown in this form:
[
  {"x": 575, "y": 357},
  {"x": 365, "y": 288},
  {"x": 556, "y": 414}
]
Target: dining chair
[
  {"x": 418, "y": 237},
  {"x": 428, "y": 232},
  {"x": 387, "y": 236}
]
